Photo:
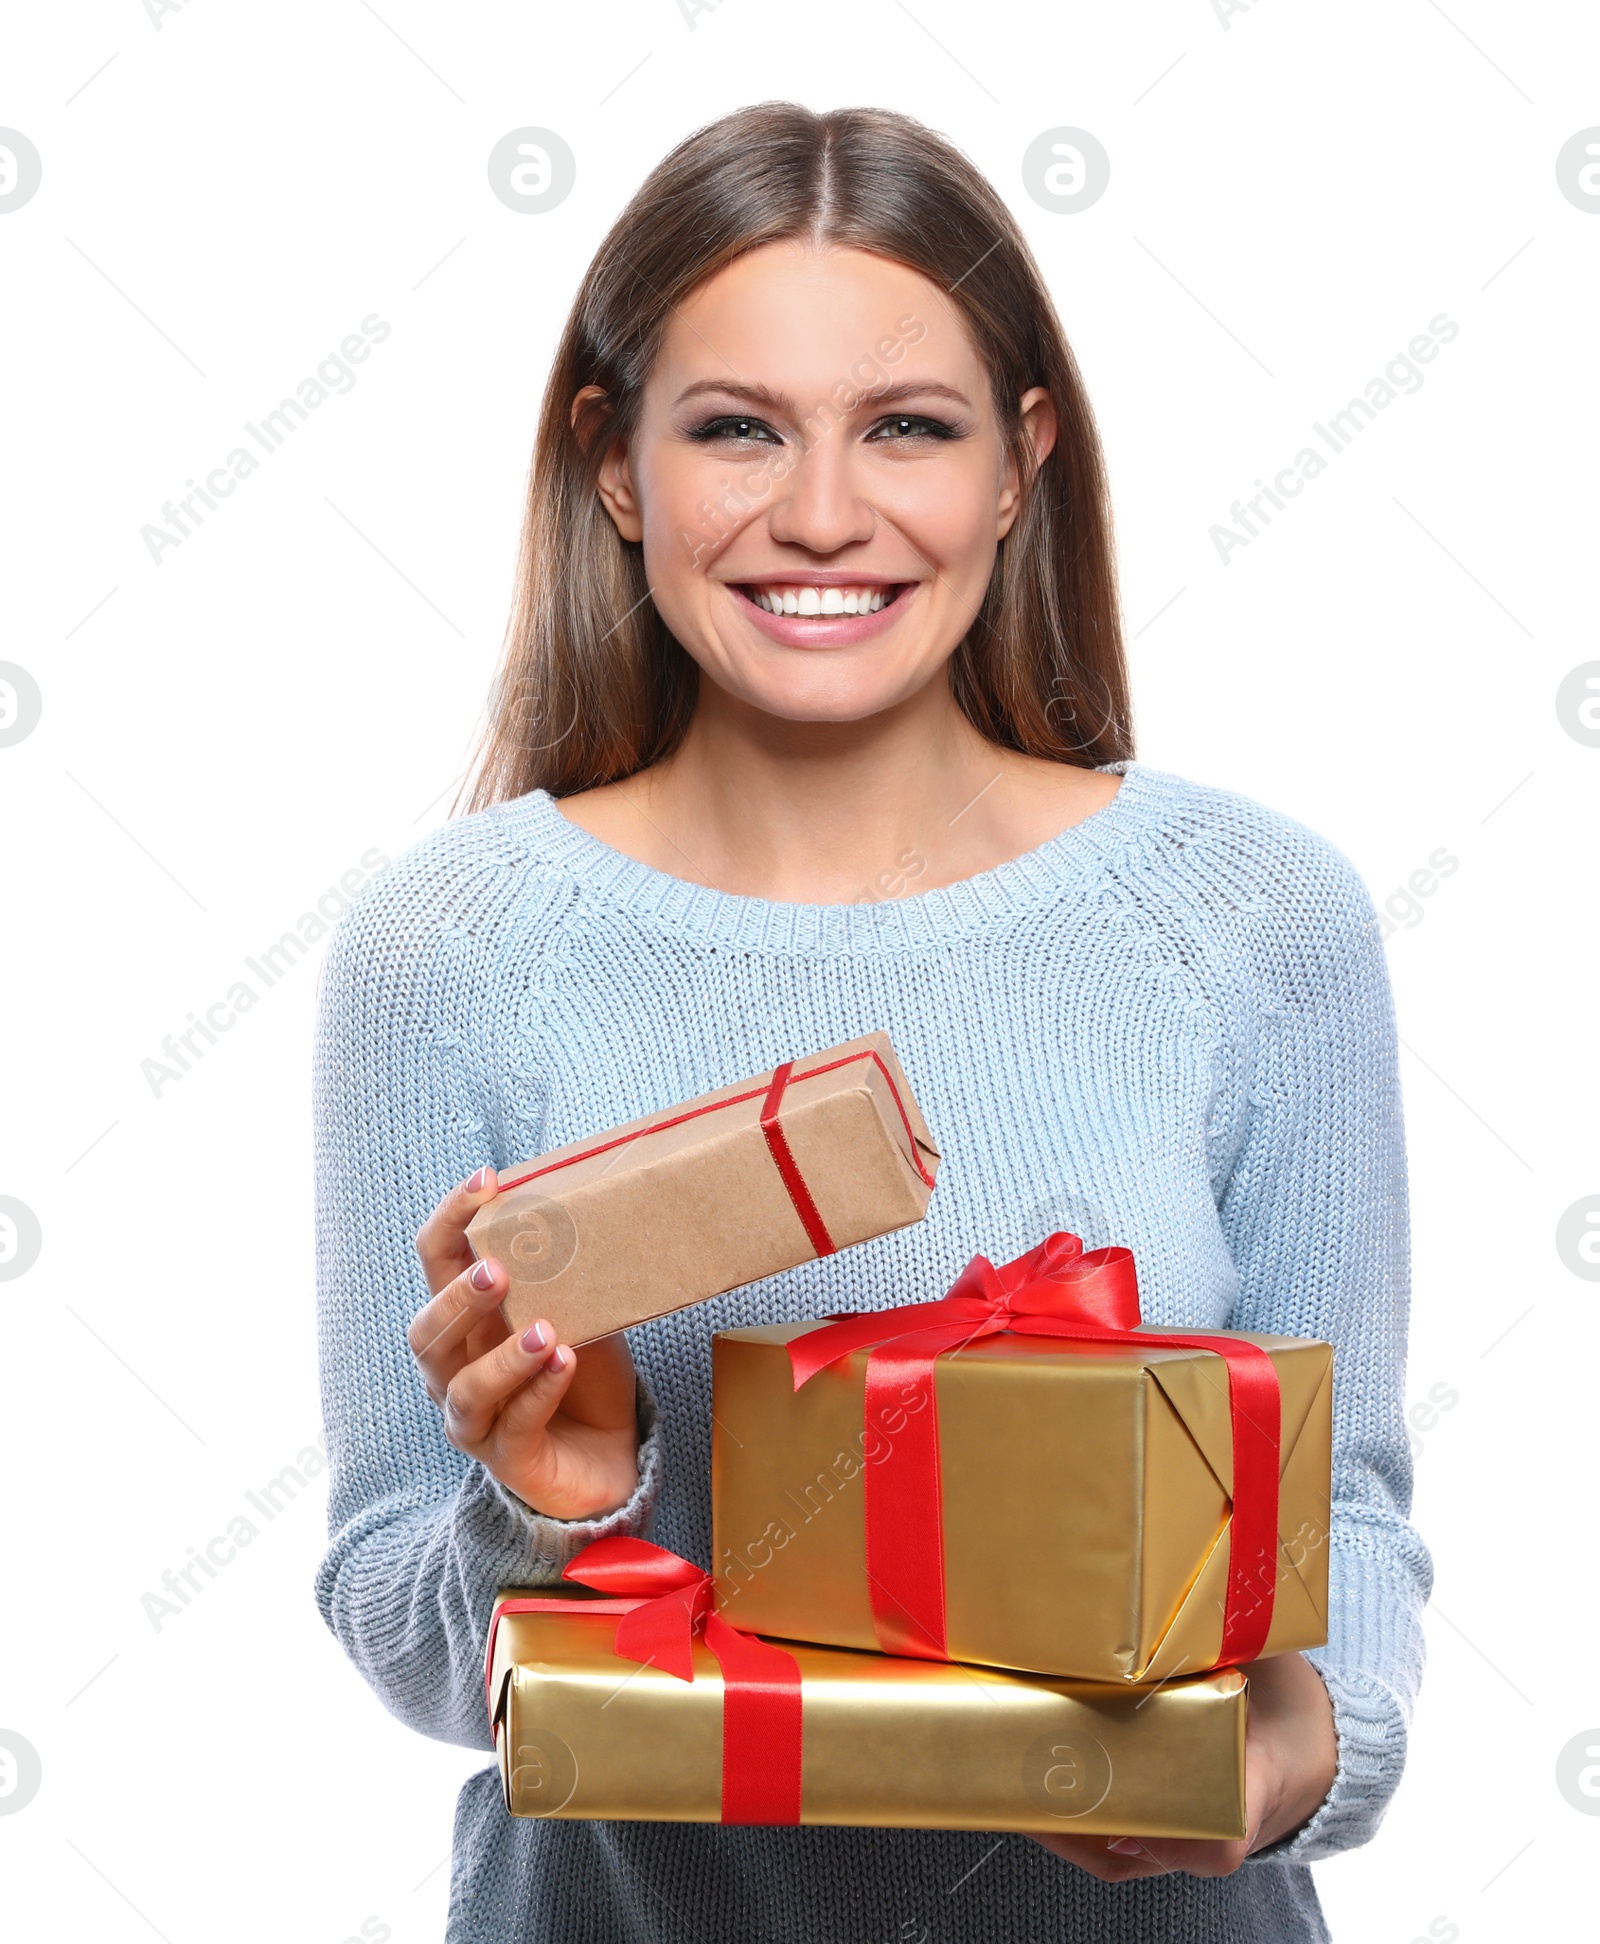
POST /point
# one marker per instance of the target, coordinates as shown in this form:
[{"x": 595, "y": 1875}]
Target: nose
[{"x": 817, "y": 505}]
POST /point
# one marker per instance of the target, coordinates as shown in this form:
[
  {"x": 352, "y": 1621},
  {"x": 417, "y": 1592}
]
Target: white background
[{"x": 227, "y": 192}]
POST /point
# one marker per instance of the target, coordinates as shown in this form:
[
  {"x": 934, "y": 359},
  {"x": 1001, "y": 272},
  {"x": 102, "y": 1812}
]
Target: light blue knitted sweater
[{"x": 1169, "y": 1027}]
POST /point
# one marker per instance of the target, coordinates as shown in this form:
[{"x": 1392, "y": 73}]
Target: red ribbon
[
  {"x": 783, "y": 1158},
  {"x": 665, "y": 1602},
  {"x": 1055, "y": 1290}
]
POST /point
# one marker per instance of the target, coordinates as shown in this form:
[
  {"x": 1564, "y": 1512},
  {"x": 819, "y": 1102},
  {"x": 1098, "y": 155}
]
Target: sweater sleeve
[
  {"x": 420, "y": 1535},
  {"x": 1314, "y": 1210}
]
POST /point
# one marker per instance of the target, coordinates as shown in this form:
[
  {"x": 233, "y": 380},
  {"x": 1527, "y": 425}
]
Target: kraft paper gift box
[
  {"x": 1054, "y": 1495},
  {"x": 740, "y": 1183},
  {"x": 675, "y": 1727}
]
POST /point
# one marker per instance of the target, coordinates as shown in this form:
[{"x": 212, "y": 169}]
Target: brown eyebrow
[{"x": 777, "y": 401}]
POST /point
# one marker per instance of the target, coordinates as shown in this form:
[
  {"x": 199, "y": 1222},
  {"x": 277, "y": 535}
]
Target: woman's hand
[
  {"x": 1291, "y": 1756},
  {"x": 558, "y": 1429}
]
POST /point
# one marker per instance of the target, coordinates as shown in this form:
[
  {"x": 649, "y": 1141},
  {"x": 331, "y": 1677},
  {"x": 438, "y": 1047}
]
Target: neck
[
  {"x": 906, "y": 801},
  {"x": 821, "y": 812}
]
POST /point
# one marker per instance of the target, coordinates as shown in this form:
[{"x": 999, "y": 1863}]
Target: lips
[{"x": 822, "y": 614}]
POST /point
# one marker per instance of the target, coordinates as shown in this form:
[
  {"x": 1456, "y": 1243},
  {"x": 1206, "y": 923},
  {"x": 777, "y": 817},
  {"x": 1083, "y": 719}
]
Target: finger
[
  {"x": 604, "y": 1389},
  {"x": 532, "y": 1368},
  {"x": 1194, "y": 1857},
  {"x": 1095, "y": 1855},
  {"x": 442, "y": 1244},
  {"x": 441, "y": 1331}
]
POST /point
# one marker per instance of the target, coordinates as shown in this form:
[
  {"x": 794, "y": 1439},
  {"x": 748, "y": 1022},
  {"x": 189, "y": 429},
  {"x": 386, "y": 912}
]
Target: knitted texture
[{"x": 1169, "y": 1027}]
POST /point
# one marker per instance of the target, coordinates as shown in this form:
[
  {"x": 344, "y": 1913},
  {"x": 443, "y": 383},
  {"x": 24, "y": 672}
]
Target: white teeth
[{"x": 820, "y": 600}]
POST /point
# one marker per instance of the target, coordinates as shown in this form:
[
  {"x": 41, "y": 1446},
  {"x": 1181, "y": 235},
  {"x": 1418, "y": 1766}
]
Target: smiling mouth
[{"x": 798, "y": 598}]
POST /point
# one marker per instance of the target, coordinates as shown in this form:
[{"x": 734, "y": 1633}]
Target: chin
[{"x": 821, "y": 697}]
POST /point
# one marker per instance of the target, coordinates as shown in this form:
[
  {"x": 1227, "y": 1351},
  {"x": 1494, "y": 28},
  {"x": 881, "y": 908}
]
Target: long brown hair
[{"x": 591, "y": 686}]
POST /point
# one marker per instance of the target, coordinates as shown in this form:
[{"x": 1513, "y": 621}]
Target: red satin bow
[
  {"x": 1055, "y": 1290},
  {"x": 666, "y": 1602}
]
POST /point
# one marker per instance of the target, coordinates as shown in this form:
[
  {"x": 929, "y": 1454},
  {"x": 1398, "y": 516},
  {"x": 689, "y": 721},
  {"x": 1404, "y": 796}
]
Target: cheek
[
  {"x": 669, "y": 486},
  {"x": 947, "y": 507},
  {"x": 691, "y": 505},
  {"x": 676, "y": 539}
]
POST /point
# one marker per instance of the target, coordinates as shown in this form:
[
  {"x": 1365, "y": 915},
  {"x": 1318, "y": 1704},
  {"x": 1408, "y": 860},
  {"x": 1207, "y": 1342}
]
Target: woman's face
[{"x": 819, "y": 480}]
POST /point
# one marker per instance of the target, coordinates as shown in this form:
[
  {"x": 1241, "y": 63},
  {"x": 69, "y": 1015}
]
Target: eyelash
[{"x": 928, "y": 428}]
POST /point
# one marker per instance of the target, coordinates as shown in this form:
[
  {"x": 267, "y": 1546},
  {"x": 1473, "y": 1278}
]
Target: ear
[
  {"x": 615, "y": 480},
  {"x": 1039, "y": 432}
]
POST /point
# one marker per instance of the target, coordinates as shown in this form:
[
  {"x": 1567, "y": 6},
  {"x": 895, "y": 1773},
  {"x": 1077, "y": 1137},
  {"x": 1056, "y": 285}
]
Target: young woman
[{"x": 814, "y": 720}]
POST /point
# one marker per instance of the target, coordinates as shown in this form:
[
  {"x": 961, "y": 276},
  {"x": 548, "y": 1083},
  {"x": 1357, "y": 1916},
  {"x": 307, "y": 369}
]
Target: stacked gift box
[{"x": 989, "y": 1562}]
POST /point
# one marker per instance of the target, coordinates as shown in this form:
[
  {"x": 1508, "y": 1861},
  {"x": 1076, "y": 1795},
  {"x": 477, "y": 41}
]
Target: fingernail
[
  {"x": 477, "y": 1181},
  {"x": 482, "y": 1276},
  {"x": 561, "y": 1358},
  {"x": 1126, "y": 1846},
  {"x": 535, "y": 1337}
]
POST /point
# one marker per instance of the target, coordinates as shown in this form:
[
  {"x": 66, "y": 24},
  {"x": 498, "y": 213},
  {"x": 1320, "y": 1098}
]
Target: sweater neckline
[{"x": 1072, "y": 857}]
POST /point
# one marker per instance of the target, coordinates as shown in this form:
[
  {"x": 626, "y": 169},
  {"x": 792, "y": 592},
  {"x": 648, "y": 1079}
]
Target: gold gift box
[
  {"x": 899, "y": 1744},
  {"x": 1086, "y": 1500}
]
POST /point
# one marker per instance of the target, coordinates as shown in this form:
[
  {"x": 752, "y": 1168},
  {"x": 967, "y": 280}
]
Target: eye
[
  {"x": 744, "y": 431},
  {"x": 911, "y": 425}
]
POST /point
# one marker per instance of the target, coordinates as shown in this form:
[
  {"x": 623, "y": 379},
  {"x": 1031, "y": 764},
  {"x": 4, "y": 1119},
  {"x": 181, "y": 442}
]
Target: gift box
[
  {"x": 650, "y": 1707},
  {"x": 1024, "y": 1476},
  {"x": 731, "y": 1186}
]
